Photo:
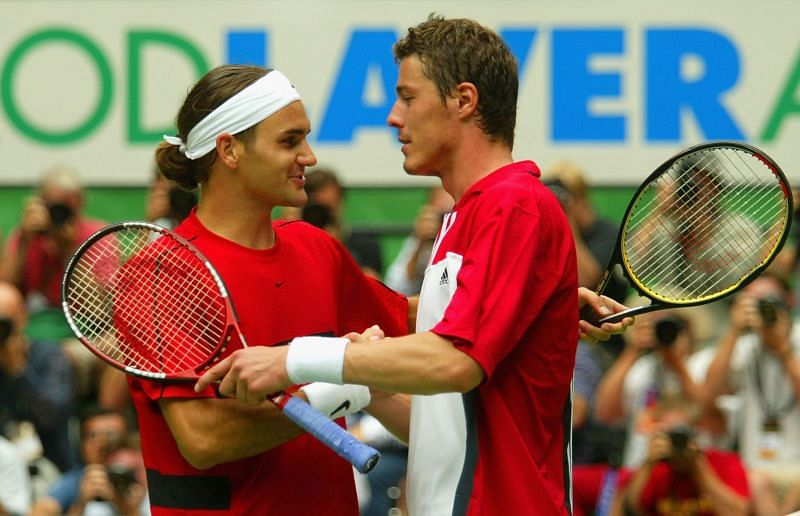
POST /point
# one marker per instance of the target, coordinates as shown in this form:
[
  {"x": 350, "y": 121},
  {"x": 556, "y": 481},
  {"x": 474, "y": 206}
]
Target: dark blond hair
[{"x": 462, "y": 50}]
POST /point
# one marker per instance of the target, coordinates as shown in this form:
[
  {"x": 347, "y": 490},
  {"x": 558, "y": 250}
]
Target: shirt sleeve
[
  {"x": 517, "y": 259},
  {"x": 364, "y": 301}
]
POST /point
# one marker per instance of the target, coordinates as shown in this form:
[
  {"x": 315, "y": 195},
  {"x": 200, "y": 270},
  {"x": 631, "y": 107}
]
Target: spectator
[
  {"x": 51, "y": 228},
  {"x": 757, "y": 358},
  {"x": 36, "y": 381},
  {"x": 594, "y": 236},
  {"x": 407, "y": 270},
  {"x": 677, "y": 475},
  {"x": 324, "y": 189},
  {"x": 168, "y": 204},
  {"x": 102, "y": 432},
  {"x": 657, "y": 362},
  {"x": 15, "y": 483}
]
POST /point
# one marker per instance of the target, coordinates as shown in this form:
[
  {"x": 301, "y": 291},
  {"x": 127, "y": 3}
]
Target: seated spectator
[
  {"x": 407, "y": 270},
  {"x": 36, "y": 381},
  {"x": 324, "y": 189},
  {"x": 102, "y": 432},
  {"x": 678, "y": 475},
  {"x": 168, "y": 204},
  {"x": 758, "y": 358}
]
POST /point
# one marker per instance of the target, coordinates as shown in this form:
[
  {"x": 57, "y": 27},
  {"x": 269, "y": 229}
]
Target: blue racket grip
[{"x": 360, "y": 455}]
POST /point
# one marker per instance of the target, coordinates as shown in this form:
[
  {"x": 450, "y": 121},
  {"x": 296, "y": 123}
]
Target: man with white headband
[
  {"x": 242, "y": 138},
  {"x": 491, "y": 364}
]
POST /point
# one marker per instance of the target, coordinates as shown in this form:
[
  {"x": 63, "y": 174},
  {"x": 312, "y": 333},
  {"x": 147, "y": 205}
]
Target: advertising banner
[{"x": 615, "y": 85}]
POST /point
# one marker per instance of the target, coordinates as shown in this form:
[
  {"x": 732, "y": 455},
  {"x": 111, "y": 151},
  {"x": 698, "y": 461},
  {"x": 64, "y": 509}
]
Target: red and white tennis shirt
[{"x": 502, "y": 285}]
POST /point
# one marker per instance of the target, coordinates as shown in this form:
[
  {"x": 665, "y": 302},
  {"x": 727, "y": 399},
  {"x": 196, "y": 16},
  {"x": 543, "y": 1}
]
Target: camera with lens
[
  {"x": 60, "y": 214},
  {"x": 667, "y": 329},
  {"x": 680, "y": 436},
  {"x": 121, "y": 477},
  {"x": 768, "y": 308}
]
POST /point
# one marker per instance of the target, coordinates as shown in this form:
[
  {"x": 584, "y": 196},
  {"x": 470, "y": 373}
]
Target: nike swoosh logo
[{"x": 344, "y": 406}]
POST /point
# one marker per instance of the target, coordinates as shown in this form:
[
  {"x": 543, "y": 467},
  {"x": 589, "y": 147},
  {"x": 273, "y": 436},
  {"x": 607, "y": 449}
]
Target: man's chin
[{"x": 415, "y": 170}]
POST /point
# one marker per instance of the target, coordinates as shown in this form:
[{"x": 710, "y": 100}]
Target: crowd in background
[{"x": 691, "y": 411}]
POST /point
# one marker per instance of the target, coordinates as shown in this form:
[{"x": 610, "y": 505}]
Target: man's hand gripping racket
[
  {"x": 701, "y": 226},
  {"x": 147, "y": 302}
]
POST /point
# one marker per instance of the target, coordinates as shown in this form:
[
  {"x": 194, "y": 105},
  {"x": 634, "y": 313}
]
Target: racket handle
[{"x": 360, "y": 455}]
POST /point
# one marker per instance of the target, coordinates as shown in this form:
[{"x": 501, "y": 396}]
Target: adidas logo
[{"x": 444, "y": 280}]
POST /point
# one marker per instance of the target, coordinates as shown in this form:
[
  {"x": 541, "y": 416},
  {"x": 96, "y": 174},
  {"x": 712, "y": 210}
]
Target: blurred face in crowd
[{"x": 102, "y": 434}]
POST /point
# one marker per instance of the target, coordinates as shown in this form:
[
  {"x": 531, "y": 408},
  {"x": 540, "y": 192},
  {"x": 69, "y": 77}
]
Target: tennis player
[
  {"x": 491, "y": 363},
  {"x": 242, "y": 138}
]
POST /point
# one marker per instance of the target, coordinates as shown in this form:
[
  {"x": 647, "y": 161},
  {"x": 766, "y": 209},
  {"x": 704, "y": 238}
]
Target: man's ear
[
  {"x": 466, "y": 96},
  {"x": 228, "y": 150}
]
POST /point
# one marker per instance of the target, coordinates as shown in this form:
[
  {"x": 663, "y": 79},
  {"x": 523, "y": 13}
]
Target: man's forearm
[
  {"x": 394, "y": 413},
  {"x": 214, "y": 431}
]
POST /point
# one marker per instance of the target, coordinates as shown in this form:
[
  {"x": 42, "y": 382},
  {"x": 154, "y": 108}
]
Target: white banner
[{"x": 616, "y": 85}]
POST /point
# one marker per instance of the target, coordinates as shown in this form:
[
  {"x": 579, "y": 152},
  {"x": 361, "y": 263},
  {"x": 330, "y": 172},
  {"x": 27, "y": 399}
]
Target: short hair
[
  {"x": 319, "y": 178},
  {"x": 461, "y": 50},
  {"x": 570, "y": 175}
]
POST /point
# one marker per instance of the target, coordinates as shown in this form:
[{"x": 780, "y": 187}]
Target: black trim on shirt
[
  {"x": 465, "y": 482},
  {"x": 188, "y": 492}
]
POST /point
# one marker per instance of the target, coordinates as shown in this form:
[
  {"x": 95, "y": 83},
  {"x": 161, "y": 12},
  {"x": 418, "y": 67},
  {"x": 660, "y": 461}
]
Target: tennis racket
[
  {"x": 149, "y": 303},
  {"x": 701, "y": 226}
]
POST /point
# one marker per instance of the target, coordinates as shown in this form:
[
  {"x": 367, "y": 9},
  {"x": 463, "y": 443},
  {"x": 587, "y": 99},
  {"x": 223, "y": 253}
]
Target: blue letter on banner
[
  {"x": 670, "y": 92},
  {"x": 574, "y": 85},
  {"x": 369, "y": 50}
]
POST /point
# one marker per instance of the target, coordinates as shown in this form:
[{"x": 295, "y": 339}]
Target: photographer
[
  {"x": 110, "y": 480},
  {"x": 51, "y": 226},
  {"x": 407, "y": 270},
  {"x": 677, "y": 476},
  {"x": 757, "y": 359},
  {"x": 657, "y": 362}
]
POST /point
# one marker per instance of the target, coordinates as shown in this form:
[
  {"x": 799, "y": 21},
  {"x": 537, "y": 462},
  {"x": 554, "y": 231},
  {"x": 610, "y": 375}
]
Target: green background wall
[{"x": 387, "y": 211}]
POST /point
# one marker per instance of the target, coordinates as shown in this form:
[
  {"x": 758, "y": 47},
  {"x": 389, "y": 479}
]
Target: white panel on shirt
[
  {"x": 747, "y": 354},
  {"x": 437, "y": 441}
]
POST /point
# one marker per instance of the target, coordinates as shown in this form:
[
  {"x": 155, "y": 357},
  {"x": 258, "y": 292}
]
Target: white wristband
[
  {"x": 336, "y": 401},
  {"x": 316, "y": 359}
]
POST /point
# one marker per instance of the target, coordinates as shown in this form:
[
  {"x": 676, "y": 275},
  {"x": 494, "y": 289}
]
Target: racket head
[
  {"x": 703, "y": 225},
  {"x": 147, "y": 302}
]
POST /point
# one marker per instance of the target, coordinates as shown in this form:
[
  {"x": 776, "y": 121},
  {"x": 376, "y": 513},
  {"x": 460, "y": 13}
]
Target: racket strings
[
  {"x": 698, "y": 233},
  {"x": 704, "y": 224},
  {"x": 722, "y": 260},
  {"x": 171, "y": 309},
  {"x": 148, "y": 302},
  {"x": 742, "y": 248}
]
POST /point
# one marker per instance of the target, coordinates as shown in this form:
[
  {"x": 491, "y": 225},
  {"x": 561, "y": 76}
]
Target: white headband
[{"x": 250, "y": 106}]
